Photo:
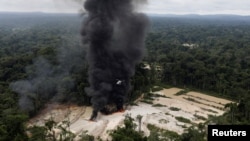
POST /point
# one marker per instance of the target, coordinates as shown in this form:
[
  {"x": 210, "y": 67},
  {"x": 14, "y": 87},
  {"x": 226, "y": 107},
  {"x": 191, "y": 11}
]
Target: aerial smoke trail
[
  {"x": 114, "y": 33},
  {"x": 47, "y": 82}
]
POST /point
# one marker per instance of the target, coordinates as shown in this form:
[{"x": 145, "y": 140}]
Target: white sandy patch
[
  {"x": 209, "y": 98},
  {"x": 162, "y": 117},
  {"x": 214, "y": 104}
]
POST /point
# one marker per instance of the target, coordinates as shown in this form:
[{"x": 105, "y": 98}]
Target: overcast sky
[{"x": 239, "y": 7}]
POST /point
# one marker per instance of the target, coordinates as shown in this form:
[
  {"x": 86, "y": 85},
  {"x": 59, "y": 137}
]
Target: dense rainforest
[
  {"x": 42, "y": 60},
  {"x": 205, "y": 53}
]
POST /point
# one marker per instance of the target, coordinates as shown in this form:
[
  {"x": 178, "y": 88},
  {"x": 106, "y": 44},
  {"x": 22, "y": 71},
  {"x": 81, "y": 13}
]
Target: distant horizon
[
  {"x": 176, "y": 14},
  {"x": 159, "y": 7}
]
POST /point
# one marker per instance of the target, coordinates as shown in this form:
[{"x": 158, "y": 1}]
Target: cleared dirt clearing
[{"x": 163, "y": 113}]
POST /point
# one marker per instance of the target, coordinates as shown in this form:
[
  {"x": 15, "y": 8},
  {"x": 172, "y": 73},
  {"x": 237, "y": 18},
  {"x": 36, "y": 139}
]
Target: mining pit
[{"x": 160, "y": 113}]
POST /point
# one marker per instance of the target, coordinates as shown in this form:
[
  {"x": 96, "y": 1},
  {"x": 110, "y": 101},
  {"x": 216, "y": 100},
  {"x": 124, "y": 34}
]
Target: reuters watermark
[{"x": 221, "y": 132}]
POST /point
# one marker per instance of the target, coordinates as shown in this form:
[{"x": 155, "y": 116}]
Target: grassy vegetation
[
  {"x": 196, "y": 101},
  {"x": 182, "y": 119},
  {"x": 164, "y": 85},
  {"x": 158, "y": 105},
  {"x": 167, "y": 114},
  {"x": 209, "y": 110},
  {"x": 163, "y": 121},
  {"x": 197, "y": 97},
  {"x": 157, "y": 88},
  {"x": 163, "y": 134},
  {"x": 158, "y": 95},
  {"x": 193, "y": 100},
  {"x": 148, "y": 96},
  {"x": 147, "y": 101},
  {"x": 174, "y": 109},
  {"x": 200, "y": 117},
  {"x": 133, "y": 104},
  {"x": 211, "y": 93},
  {"x": 182, "y": 92}
]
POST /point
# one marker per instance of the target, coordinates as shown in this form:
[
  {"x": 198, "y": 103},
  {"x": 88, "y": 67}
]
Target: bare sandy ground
[{"x": 162, "y": 117}]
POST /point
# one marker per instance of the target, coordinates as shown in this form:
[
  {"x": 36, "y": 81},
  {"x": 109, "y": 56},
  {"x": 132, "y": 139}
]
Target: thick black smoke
[{"x": 114, "y": 33}]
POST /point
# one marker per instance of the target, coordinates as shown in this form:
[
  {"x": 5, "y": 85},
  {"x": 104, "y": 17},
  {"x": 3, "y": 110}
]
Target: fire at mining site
[
  {"x": 117, "y": 75},
  {"x": 113, "y": 34}
]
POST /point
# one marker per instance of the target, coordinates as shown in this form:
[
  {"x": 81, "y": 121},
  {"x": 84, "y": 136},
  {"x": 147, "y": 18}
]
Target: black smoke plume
[{"x": 114, "y": 33}]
